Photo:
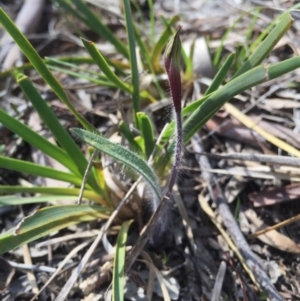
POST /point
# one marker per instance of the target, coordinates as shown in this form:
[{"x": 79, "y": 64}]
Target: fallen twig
[{"x": 271, "y": 159}]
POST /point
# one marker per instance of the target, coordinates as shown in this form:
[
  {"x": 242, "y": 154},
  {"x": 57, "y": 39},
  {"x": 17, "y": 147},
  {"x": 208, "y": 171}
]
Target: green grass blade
[
  {"x": 89, "y": 78},
  {"x": 245, "y": 51},
  {"x": 245, "y": 81},
  {"x": 125, "y": 131},
  {"x": 119, "y": 263},
  {"x": 38, "y": 170},
  {"x": 219, "y": 51},
  {"x": 104, "y": 67},
  {"x": 96, "y": 25},
  {"x": 121, "y": 154},
  {"x": 47, "y": 220},
  {"x": 162, "y": 41},
  {"x": 146, "y": 54},
  {"x": 10, "y": 189},
  {"x": 188, "y": 61},
  {"x": 132, "y": 59},
  {"x": 190, "y": 108},
  {"x": 76, "y": 13},
  {"x": 74, "y": 65},
  {"x": 58, "y": 63},
  {"x": 39, "y": 64},
  {"x": 84, "y": 14},
  {"x": 284, "y": 23},
  {"x": 152, "y": 20},
  {"x": 146, "y": 128},
  {"x": 13, "y": 200},
  {"x": 221, "y": 75},
  {"x": 48, "y": 61},
  {"x": 36, "y": 140},
  {"x": 262, "y": 36},
  {"x": 49, "y": 118},
  {"x": 284, "y": 67}
]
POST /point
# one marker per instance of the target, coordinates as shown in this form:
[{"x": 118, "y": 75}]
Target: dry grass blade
[
  {"x": 61, "y": 266},
  {"x": 271, "y": 159},
  {"x": 184, "y": 216},
  {"x": 260, "y": 172},
  {"x": 159, "y": 276},
  {"x": 244, "y": 119},
  {"x": 275, "y": 227},
  {"x": 219, "y": 282},
  {"x": 272, "y": 238},
  {"x": 30, "y": 274}
]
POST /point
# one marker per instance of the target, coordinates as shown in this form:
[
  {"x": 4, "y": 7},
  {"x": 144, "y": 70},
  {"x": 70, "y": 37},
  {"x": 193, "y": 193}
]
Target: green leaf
[
  {"x": 146, "y": 54},
  {"x": 119, "y": 263},
  {"x": 48, "y": 61},
  {"x": 162, "y": 41},
  {"x": 284, "y": 23},
  {"x": 121, "y": 154},
  {"x": 132, "y": 59},
  {"x": 47, "y": 220},
  {"x": 102, "y": 30},
  {"x": 190, "y": 108},
  {"x": 91, "y": 195},
  {"x": 38, "y": 170},
  {"x": 188, "y": 61},
  {"x": 146, "y": 128},
  {"x": 245, "y": 81},
  {"x": 36, "y": 140},
  {"x": 221, "y": 75},
  {"x": 14, "y": 200},
  {"x": 152, "y": 20},
  {"x": 59, "y": 132},
  {"x": 219, "y": 51},
  {"x": 125, "y": 131},
  {"x": 104, "y": 67},
  {"x": 39, "y": 64},
  {"x": 96, "y": 80}
]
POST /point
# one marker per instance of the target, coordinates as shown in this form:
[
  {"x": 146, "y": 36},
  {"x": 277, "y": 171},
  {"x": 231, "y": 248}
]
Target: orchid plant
[{"x": 188, "y": 120}]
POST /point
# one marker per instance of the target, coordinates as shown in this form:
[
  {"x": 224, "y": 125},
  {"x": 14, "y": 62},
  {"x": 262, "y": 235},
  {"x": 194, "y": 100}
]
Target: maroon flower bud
[{"x": 172, "y": 65}]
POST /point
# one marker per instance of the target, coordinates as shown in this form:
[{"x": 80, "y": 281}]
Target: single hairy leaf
[{"x": 121, "y": 154}]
